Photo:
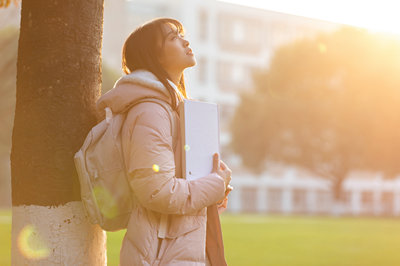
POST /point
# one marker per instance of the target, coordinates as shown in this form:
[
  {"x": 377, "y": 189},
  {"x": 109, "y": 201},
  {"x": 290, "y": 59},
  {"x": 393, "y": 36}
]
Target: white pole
[
  {"x": 287, "y": 200},
  {"x": 396, "y": 203},
  {"x": 311, "y": 198},
  {"x": 261, "y": 199},
  {"x": 355, "y": 202},
  {"x": 234, "y": 200}
]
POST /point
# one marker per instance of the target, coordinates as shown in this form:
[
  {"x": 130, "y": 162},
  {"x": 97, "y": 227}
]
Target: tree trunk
[{"x": 58, "y": 82}]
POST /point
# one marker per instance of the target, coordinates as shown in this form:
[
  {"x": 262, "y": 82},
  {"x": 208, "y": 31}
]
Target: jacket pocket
[{"x": 183, "y": 224}]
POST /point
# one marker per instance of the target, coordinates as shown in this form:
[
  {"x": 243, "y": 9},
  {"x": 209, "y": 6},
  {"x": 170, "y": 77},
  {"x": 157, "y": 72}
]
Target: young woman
[{"x": 172, "y": 218}]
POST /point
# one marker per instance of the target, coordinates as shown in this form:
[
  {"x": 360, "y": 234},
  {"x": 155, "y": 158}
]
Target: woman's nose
[{"x": 185, "y": 42}]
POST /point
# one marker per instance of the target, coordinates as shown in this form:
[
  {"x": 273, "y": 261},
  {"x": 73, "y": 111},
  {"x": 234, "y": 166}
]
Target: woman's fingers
[
  {"x": 223, "y": 205},
  {"x": 221, "y": 169},
  {"x": 216, "y": 163},
  {"x": 223, "y": 165},
  {"x": 228, "y": 190}
]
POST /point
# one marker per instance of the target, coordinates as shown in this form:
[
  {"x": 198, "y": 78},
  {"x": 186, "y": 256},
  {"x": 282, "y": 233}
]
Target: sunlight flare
[
  {"x": 107, "y": 203},
  {"x": 31, "y": 244},
  {"x": 156, "y": 168}
]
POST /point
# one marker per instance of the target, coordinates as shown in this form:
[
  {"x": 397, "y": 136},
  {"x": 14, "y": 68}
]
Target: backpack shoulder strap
[{"x": 170, "y": 112}]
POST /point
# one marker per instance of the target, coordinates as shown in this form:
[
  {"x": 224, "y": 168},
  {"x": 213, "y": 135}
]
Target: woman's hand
[
  {"x": 223, "y": 204},
  {"x": 220, "y": 168}
]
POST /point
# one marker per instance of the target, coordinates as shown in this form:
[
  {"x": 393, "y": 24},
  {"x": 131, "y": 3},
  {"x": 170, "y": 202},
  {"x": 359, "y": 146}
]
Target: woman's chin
[
  {"x": 190, "y": 63},
  {"x": 193, "y": 62}
]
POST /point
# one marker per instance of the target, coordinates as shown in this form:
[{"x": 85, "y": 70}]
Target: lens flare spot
[
  {"x": 322, "y": 48},
  {"x": 31, "y": 245},
  {"x": 107, "y": 204},
  {"x": 156, "y": 168},
  {"x": 187, "y": 147}
]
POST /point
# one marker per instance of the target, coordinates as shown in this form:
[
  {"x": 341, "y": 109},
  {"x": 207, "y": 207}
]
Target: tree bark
[{"x": 58, "y": 82}]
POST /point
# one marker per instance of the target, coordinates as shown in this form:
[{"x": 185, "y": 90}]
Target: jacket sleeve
[{"x": 151, "y": 168}]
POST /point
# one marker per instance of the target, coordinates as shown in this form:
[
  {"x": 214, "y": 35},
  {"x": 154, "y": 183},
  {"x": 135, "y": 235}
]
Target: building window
[
  {"x": 324, "y": 201},
  {"x": 387, "y": 202},
  {"x": 299, "y": 200},
  {"x": 238, "y": 32},
  {"x": 223, "y": 73},
  {"x": 202, "y": 70},
  {"x": 249, "y": 199},
  {"x": 233, "y": 76},
  {"x": 203, "y": 23},
  {"x": 226, "y": 113},
  {"x": 274, "y": 199},
  {"x": 237, "y": 73},
  {"x": 367, "y": 201}
]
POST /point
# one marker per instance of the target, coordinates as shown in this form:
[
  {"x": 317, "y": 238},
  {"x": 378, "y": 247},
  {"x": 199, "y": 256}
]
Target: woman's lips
[{"x": 190, "y": 52}]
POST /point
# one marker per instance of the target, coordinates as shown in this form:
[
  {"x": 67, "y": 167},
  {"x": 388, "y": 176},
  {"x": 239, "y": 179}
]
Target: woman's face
[{"x": 176, "y": 54}]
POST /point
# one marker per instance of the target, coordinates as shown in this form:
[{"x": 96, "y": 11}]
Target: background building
[
  {"x": 229, "y": 41},
  {"x": 293, "y": 191}
]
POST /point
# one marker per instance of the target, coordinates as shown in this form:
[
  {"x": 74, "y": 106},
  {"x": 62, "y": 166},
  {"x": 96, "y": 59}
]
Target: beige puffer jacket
[{"x": 168, "y": 221}]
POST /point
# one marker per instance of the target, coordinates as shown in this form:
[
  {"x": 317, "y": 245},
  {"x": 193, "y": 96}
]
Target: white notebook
[{"x": 199, "y": 123}]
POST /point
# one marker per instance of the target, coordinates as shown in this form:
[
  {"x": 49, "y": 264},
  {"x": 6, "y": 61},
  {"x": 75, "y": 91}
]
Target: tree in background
[
  {"x": 330, "y": 104},
  {"x": 58, "y": 81}
]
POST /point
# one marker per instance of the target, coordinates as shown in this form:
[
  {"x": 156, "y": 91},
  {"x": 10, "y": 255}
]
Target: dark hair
[{"x": 142, "y": 48}]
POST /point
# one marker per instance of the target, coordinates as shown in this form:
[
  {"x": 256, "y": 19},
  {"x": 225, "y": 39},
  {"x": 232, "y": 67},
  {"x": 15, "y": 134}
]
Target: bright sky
[{"x": 382, "y": 15}]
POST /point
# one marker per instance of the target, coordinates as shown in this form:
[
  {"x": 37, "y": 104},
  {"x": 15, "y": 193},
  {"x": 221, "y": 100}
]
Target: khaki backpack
[{"x": 105, "y": 191}]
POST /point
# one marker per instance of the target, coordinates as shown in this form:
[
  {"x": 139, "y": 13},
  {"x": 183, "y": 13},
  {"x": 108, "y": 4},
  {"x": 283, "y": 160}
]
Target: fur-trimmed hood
[{"x": 133, "y": 87}]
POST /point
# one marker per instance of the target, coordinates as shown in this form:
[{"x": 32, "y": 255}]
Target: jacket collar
[{"x": 133, "y": 87}]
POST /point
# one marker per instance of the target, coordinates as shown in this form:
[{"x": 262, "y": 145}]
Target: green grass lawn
[{"x": 284, "y": 240}]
